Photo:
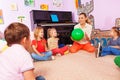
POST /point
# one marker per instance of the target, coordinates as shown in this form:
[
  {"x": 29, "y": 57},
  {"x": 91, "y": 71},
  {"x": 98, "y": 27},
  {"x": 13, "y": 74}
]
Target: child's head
[
  {"x": 89, "y": 21},
  {"x": 52, "y": 32},
  {"x": 38, "y": 33},
  {"x": 17, "y": 33},
  {"x": 115, "y": 31}
]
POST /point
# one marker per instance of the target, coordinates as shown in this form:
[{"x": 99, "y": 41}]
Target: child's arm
[
  {"x": 118, "y": 47},
  {"x": 48, "y": 43},
  {"x": 46, "y": 48},
  {"x": 29, "y": 75},
  {"x": 36, "y": 51}
]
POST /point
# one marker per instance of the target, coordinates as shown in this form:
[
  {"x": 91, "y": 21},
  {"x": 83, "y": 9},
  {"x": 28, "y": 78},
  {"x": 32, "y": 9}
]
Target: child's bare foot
[
  {"x": 58, "y": 54},
  {"x": 52, "y": 57}
]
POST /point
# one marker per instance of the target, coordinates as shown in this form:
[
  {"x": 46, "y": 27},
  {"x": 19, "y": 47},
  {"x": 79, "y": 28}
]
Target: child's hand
[
  {"x": 41, "y": 54},
  {"x": 115, "y": 47}
]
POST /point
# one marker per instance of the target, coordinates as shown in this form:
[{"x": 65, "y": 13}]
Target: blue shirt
[{"x": 114, "y": 42}]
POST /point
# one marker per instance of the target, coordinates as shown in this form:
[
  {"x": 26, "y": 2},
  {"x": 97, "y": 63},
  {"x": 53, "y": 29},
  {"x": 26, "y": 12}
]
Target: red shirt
[{"x": 40, "y": 45}]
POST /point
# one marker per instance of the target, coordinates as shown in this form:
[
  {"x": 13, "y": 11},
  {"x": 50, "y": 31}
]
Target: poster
[
  {"x": 1, "y": 17},
  {"x": 44, "y": 7},
  {"x": 13, "y": 7},
  {"x": 77, "y": 3},
  {"x": 57, "y": 3},
  {"x": 29, "y": 2},
  {"x": 21, "y": 18}
]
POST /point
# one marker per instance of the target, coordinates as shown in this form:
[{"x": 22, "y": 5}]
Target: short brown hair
[
  {"x": 83, "y": 14},
  {"x": 116, "y": 29},
  {"x": 15, "y": 32}
]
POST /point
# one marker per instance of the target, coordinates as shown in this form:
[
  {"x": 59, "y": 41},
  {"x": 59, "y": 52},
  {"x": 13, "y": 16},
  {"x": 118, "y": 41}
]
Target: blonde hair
[
  {"x": 36, "y": 32},
  {"x": 49, "y": 32}
]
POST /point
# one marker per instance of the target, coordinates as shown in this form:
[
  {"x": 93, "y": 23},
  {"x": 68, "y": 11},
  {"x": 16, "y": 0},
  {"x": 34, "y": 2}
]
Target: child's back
[{"x": 14, "y": 60}]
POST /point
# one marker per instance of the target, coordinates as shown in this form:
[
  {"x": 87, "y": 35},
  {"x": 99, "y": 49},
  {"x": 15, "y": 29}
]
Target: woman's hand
[{"x": 86, "y": 37}]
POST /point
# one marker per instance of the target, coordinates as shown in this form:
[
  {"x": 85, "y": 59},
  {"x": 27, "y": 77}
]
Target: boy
[{"x": 15, "y": 61}]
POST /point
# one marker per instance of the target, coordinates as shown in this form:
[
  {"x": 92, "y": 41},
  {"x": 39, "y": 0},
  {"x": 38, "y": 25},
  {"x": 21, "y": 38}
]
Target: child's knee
[{"x": 49, "y": 53}]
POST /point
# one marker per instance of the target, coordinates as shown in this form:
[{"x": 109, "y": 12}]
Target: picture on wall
[
  {"x": 21, "y": 18},
  {"x": 1, "y": 17},
  {"x": 77, "y": 3},
  {"x": 29, "y": 2},
  {"x": 58, "y": 3},
  {"x": 44, "y": 6},
  {"x": 13, "y": 7}
]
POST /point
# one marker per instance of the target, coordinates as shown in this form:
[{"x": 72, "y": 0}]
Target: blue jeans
[
  {"x": 47, "y": 56},
  {"x": 39, "y": 78},
  {"x": 110, "y": 51}
]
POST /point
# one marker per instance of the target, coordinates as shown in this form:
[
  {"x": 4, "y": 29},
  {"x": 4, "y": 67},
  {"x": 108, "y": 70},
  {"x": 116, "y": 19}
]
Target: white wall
[
  {"x": 105, "y": 11},
  {"x": 11, "y": 16}
]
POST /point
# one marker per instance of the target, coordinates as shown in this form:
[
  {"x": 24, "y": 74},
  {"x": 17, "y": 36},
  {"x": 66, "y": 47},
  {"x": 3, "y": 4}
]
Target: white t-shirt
[
  {"x": 87, "y": 29},
  {"x": 13, "y": 61}
]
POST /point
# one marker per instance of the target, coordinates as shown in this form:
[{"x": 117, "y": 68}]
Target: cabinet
[{"x": 61, "y": 20}]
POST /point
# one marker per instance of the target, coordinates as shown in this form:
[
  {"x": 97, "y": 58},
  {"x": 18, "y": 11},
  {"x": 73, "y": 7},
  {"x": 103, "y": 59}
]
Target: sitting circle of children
[{"x": 17, "y": 36}]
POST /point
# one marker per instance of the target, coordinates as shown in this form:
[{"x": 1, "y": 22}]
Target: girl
[
  {"x": 16, "y": 62},
  {"x": 39, "y": 46},
  {"x": 83, "y": 44},
  {"x": 113, "y": 47},
  {"x": 53, "y": 42}
]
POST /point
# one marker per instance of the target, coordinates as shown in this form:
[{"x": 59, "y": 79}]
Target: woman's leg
[
  {"x": 75, "y": 47},
  {"x": 88, "y": 47}
]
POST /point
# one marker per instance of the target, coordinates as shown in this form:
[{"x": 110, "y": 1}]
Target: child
[
  {"x": 16, "y": 63},
  {"x": 113, "y": 47},
  {"x": 83, "y": 44},
  {"x": 39, "y": 46},
  {"x": 53, "y": 42}
]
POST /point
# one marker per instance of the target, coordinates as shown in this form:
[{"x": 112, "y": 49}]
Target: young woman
[{"x": 83, "y": 44}]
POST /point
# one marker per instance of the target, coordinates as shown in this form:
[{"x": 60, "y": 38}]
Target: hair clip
[{"x": 118, "y": 28}]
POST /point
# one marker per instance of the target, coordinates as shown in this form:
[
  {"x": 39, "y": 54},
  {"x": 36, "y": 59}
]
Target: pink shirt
[{"x": 13, "y": 61}]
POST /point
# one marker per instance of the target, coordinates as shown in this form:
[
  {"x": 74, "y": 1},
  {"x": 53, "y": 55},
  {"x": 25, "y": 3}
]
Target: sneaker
[
  {"x": 98, "y": 51},
  {"x": 51, "y": 58}
]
